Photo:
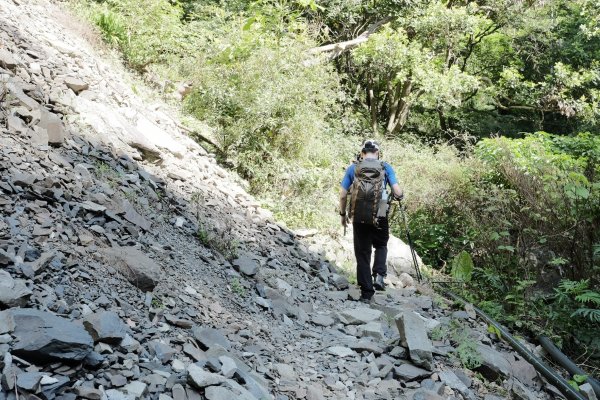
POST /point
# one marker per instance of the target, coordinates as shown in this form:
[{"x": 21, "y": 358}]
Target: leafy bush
[
  {"x": 262, "y": 102},
  {"x": 575, "y": 311},
  {"x": 148, "y": 32}
]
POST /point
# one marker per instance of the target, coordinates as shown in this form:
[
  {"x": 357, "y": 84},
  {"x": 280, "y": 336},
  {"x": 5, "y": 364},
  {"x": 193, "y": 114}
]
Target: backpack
[{"x": 368, "y": 198}]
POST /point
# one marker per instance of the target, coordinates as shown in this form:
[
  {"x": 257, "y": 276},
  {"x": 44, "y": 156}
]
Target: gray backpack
[{"x": 368, "y": 198}]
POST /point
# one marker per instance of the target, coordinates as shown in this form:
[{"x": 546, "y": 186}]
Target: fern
[
  {"x": 589, "y": 297},
  {"x": 583, "y": 296},
  {"x": 573, "y": 287},
  {"x": 591, "y": 314}
]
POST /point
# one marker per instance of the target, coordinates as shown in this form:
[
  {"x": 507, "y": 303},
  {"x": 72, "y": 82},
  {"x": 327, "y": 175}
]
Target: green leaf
[
  {"x": 507, "y": 248},
  {"x": 580, "y": 378},
  {"x": 462, "y": 267},
  {"x": 249, "y": 23},
  {"x": 494, "y": 330},
  {"x": 582, "y": 192}
]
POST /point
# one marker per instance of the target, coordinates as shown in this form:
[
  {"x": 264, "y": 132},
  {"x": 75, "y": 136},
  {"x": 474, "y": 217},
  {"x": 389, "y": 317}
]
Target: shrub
[
  {"x": 262, "y": 102},
  {"x": 147, "y": 32}
]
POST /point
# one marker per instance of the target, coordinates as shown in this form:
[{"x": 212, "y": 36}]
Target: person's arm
[
  {"x": 345, "y": 186},
  {"x": 343, "y": 199},
  {"x": 398, "y": 192},
  {"x": 393, "y": 181}
]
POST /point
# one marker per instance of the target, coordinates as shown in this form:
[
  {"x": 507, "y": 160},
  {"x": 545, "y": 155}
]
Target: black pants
[{"x": 365, "y": 238}]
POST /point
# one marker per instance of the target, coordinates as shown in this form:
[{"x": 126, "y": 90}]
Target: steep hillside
[{"x": 132, "y": 266}]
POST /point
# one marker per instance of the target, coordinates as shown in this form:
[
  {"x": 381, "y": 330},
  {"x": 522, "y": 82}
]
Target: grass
[{"x": 237, "y": 287}]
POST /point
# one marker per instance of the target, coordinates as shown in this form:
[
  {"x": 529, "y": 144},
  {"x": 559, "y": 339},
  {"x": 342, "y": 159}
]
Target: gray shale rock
[
  {"x": 5, "y": 258},
  {"x": 413, "y": 335},
  {"x": 358, "y": 316},
  {"x": 75, "y": 84},
  {"x": 200, "y": 378},
  {"x": 105, "y": 326},
  {"x": 7, "y": 60},
  {"x": 493, "y": 364},
  {"x": 246, "y": 265},
  {"x": 43, "y": 337},
  {"x": 210, "y": 337},
  {"x": 13, "y": 292},
  {"x": 138, "y": 268},
  {"x": 409, "y": 372}
]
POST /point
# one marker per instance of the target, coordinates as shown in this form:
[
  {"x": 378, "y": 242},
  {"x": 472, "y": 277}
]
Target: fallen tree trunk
[{"x": 335, "y": 49}]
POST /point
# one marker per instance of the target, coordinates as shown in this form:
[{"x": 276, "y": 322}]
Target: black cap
[{"x": 370, "y": 146}]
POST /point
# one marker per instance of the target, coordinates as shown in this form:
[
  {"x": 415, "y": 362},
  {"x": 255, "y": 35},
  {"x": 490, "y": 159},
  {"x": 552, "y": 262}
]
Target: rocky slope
[{"x": 133, "y": 267}]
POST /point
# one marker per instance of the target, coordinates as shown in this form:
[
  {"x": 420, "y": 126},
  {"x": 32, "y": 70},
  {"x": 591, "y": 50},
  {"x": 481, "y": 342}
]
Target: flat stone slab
[
  {"x": 44, "y": 337},
  {"x": 200, "y": 378},
  {"x": 246, "y": 265},
  {"x": 359, "y": 316},
  {"x": 322, "y": 320},
  {"x": 76, "y": 84},
  {"x": 493, "y": 364},
  {"x": 409, "y": 372},
  {"x": 341, "y": 351},
  {"x": 368, "y": 346},
  {"x": 210, "y": 337},
  {"x": 372, "y": 329}
]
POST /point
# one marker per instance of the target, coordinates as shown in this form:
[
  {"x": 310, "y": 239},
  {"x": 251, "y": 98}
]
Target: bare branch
[{"x": 335, "y": 49}]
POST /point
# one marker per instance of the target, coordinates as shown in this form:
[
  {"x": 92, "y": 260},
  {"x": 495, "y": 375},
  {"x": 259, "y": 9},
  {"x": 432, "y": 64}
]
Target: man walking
[{"x": 367, "y": 180}]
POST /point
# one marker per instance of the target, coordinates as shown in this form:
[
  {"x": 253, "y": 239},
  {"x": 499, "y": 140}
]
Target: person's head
[{"x": 370, "y": 149}]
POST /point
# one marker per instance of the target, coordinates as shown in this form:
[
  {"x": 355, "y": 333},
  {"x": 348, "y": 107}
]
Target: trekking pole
[{"x": 410, "y": 244}]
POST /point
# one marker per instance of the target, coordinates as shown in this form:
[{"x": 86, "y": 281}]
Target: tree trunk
[
  {"x": 443, "y": 123},
  {"x": 372, "y": 104},
  {"x": 400, "y": 108}
]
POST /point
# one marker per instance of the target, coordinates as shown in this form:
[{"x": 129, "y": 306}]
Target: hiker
[{"x": 366, "y": 180}]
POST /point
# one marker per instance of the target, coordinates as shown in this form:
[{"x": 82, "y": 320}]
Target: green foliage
[
  {"x": 237, "y": 287},
  {"x": 468, "y": 354},
  {"x": 157, "y": 303},
  {"x": 112, "y": 29},
  {"x": 148, "y": 32},
  {"x": 462, "y": 267},
  {"x": 494, "y": 330},
  {"x": 440, "y": 332},
  {"x": 466, "y": 350},
  {"x": 576, "y": 310},
  {"x": 263, "y": 103},
  {"x": 577, "y": 381},
  {"x": 203, "y": 236}
]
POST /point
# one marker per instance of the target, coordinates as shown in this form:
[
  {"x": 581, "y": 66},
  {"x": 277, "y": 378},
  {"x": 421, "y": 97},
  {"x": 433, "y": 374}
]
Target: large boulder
[
  {"x": 399, "y": 258},
  {"x": 43, "y": 337},
  {"x": 137, "y": 267}
]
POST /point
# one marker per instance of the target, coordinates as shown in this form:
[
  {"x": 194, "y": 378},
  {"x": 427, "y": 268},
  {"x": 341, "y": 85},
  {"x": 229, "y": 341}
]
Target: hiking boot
[
  {"x": 367, "y": 300},
  {"x": 378, "y": 284}
]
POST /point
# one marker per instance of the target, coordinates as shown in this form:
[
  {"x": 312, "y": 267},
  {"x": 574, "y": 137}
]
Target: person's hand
[
  {"x": 400, "y": 197},
  {"x": 344, "y": 220}
]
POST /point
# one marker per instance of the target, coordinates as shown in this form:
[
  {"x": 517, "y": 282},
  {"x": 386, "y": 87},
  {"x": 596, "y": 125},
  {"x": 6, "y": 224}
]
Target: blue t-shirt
[{"x": 390, "y": 176}]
